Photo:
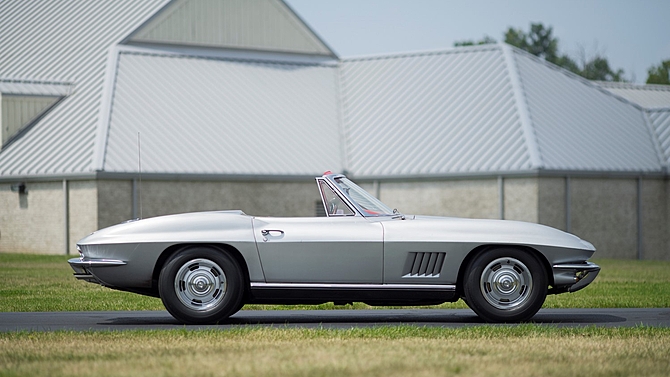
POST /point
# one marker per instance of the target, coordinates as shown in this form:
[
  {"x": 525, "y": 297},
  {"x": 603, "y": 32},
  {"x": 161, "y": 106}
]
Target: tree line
[{"x": 541, "y": 42}]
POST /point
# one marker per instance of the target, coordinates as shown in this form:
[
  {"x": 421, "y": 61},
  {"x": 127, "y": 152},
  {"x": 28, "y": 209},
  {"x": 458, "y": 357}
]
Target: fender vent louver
[{"x": 422, "y": 264}]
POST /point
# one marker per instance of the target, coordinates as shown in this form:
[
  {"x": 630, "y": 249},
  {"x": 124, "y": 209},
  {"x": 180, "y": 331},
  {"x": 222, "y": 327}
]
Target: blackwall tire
[
  {"x": 505, "y": 285},
  {"x": 201, "y": 285}
]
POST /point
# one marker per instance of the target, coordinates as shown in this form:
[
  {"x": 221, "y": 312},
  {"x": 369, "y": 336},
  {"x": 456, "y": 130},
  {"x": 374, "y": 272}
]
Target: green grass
[
  {"x": 45, "y": 283},
  {"x": 525, "y": 350}
]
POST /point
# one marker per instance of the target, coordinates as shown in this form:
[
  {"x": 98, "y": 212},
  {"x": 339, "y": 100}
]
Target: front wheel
[
  {"x": 505, "y": 285},
  {"x": 201, "y": 285}
]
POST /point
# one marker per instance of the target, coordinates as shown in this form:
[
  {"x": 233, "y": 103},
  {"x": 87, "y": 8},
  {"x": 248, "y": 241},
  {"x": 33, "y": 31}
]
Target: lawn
[
  {"x": 525, "y": 350},
  {"x": 45, "y": 283}
]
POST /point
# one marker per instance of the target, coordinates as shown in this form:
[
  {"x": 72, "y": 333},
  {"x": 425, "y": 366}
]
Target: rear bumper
[
  {"x": 82, "y": 267},
  {"x": 571, "y": 277}
]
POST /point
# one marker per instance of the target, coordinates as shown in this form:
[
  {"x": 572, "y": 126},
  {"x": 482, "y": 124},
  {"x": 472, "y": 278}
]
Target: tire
[
  {"x": 505, "y": 285},
  {"x": 201, "y": 285}
]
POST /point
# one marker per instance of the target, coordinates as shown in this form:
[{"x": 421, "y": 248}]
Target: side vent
[{"x": 423, "y": 265}]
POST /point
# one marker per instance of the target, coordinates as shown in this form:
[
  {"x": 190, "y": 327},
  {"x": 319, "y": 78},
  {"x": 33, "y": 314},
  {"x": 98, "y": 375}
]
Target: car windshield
[{"x": 371, "y": 206}]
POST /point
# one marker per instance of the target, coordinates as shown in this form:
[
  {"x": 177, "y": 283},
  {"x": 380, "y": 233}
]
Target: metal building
[{"x": 237, "y": 104}]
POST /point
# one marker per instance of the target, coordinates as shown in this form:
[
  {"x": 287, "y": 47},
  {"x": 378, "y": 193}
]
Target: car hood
[{"x": 451, "y": 229}]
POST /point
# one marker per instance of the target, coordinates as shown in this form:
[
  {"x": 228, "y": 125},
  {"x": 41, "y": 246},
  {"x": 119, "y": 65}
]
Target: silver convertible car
[{"x": 205, "y": 266}]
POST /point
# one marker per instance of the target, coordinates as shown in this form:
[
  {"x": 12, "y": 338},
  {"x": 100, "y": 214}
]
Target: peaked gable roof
[
  {"x": 268, "y": 25},
  {"x": 490, "y": 109},
  {"x": 76, "y": 43},
  {"x": 432, "y": 113},
  {"x": 478, "y": 110},
  {"x": 208, "y": 116}
]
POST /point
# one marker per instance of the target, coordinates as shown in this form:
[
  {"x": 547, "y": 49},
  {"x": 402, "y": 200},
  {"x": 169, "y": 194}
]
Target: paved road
[{"x": 120, "y": 320}]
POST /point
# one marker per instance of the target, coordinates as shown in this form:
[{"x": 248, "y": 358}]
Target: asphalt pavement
[{"x": 130, "y": 320}]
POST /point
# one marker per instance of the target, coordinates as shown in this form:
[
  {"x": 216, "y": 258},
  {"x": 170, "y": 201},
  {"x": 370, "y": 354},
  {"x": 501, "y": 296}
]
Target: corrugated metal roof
[
  {"x": 245, "y": 24},
  {"x": 581, "y": 127},
  {"x": 211, "y": 116},
  {"x": 62, "y": 41},
  {"x": 429, "y": 114},
  {"x": 647, "y": 96},
  {"x": 660, "y": 121},
  {"x": 34, "y": 88},
  {"x": 479, "y": 110}
]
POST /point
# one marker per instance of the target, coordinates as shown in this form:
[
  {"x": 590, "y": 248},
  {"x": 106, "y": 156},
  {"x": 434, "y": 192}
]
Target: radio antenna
[{"x": 139, "y": 163}]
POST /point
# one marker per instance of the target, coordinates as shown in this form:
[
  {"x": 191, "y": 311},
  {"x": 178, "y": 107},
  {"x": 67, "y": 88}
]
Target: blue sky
[{"x": 633, "y": 34}]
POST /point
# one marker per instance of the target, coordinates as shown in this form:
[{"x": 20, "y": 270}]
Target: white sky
[{"x": 633, "y": 35}]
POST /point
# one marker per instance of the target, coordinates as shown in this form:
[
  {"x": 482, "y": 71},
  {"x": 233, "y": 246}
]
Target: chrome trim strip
[
  {"x": 95, "y": 262},
  {"x": 588, "y": 266},
  {"x": 444, "y": 287}
]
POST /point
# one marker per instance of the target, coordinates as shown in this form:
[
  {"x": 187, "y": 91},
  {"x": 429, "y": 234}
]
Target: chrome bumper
[
  {"x": 571, "y": 277},
  {"x": 81, "y": 267}
]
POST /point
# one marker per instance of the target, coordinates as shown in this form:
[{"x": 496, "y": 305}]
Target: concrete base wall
[
  {"x": 603, "y": 211},
  {"x": 477, "y": 198},
  {"x": 254, "y": 198},
  {"x": 521, "y": 199},
  {"x": 83, "y": 211},
  {"x": 551, "y": 202},
  {"x": 32, "y": 223}
]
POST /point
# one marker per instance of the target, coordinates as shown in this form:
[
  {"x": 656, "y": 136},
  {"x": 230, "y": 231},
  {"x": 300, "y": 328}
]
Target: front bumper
[
  {"x": 571, "y": 277},
  {"x": 82, "y": 267}
]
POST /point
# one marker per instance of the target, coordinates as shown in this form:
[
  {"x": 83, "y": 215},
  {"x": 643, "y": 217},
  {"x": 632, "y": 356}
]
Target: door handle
[{"x": 272, "y": 232}]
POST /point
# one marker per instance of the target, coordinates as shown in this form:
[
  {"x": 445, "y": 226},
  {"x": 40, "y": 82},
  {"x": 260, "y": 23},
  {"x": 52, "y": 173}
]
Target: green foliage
[
  {"x": 540, "y": 42},
  {"x": 659, "y": 74},
  {"x": 484, "y": 41}
]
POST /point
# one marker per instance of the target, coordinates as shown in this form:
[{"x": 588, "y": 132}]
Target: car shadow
[{"x": 353, "y": 318}]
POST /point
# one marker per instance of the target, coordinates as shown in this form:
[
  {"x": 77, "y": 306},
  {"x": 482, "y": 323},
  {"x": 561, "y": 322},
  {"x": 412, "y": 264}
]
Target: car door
[{"x": 346, "y": 249}]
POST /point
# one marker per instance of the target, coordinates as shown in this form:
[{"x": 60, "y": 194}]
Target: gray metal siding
[
  {"x": 244, "y": 24},
  {"x": 660, "y": 121},
  {"x": 581, "y": 128},
  {"x": 431, "y": 114},
  {"x": 64, "y": 41},
  {"x": 18, "y": 111},
  {"x": 209, "y": 116}
]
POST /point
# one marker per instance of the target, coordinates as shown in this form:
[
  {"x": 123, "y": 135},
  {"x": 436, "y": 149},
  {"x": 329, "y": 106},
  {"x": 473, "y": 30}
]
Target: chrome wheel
[
  {"x": 506, "y": 283},
  {"x": 200, "y": 284}
]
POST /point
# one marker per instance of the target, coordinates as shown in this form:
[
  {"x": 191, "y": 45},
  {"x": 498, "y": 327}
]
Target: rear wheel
[
  {"x": 201, "y": 285},
  {"x": 505, "y": 285}
]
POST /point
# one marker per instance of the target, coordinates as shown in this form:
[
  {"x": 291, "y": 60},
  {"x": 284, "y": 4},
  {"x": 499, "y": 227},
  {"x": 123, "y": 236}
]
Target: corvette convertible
[{"x": 205, "y": 266}]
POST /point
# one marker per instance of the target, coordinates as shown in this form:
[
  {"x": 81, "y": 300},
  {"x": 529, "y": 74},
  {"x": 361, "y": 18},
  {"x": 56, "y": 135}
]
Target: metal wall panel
[
  {"x": 209, "y": 116},
  {"x": 580, "y": 127},
  {"x": 244, "y": 24},
  {"x": 17, "y": 111},
  {"x": 431, "y": 114},
  {"x": 660, "y": 121},
  {"x": 62, "y": 41}
]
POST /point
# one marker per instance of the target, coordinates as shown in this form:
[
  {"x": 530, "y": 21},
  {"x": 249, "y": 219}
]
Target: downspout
[
  {"x": 568, "y": 220},
  {"x": 640, "y": 245},
  {"x": 501, "y": 197},
  {"x": 66, "y": 216}
]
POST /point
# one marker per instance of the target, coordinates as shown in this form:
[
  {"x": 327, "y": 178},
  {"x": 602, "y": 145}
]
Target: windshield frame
[{"x": 340, "y": 184}]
